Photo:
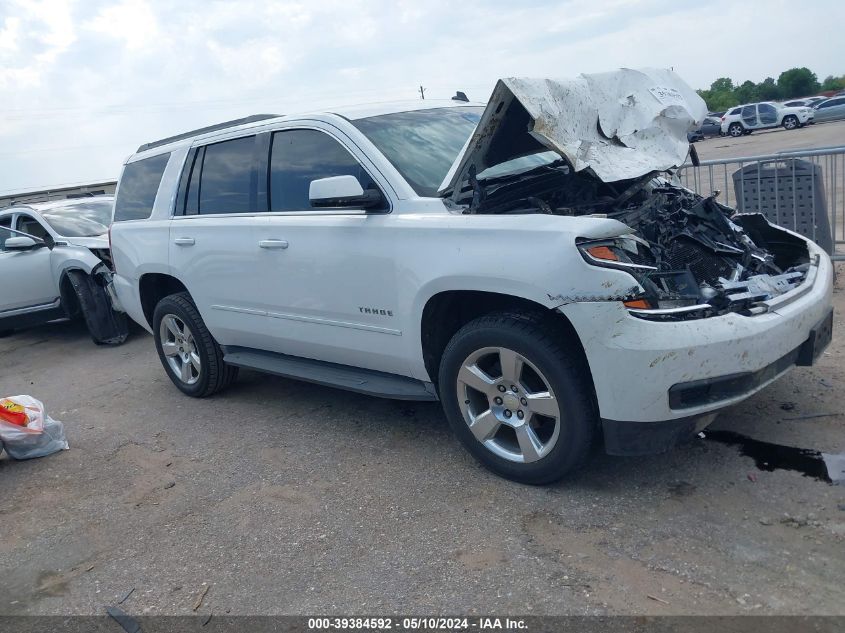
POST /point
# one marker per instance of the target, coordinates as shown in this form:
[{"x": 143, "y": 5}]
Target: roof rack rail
[{"x": 211, "y": 128}]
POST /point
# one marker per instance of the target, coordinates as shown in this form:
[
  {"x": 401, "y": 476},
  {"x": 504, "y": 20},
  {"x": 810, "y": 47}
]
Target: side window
[
  {"x": 138, "y": 186},
  {"x": 226, "y": 178},
  {"x": 299, "y": 156},
  {"x": 5, "y": 233},
  {"x": 735, "y": 111},
  {"x": 29, "y": 225}
]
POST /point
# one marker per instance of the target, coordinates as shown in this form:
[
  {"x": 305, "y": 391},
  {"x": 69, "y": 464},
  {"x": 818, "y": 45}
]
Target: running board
[{"x": 366, "y": 381}]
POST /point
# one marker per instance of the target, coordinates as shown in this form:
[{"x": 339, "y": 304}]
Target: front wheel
[
  {"x": 518, "y": 397},
  {"x": 191, "y": 357},
  {"x": 790, "y": 122},
  {"x": 735, "y": 130}
]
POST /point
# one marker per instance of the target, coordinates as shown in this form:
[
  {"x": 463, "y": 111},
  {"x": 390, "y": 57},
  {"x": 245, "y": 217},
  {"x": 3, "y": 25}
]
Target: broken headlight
[
  {"x": 629, "y": 253},
  {"x": 667, "y": 294}
]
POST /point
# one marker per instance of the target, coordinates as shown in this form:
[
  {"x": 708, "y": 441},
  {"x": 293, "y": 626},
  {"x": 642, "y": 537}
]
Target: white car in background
[
  {"x": 54, "y": 264},
  {"x": 746, "y": 118}
]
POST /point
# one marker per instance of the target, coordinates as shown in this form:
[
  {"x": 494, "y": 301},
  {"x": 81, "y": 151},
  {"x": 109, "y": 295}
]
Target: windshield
[
  {"x": 80, "y": 219},
  {"x": 422, "y": 144}
]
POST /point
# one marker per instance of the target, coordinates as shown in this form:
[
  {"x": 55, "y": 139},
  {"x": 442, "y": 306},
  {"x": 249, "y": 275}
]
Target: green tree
[
  {"x": 798, "y": 82},
  {"x": 833, "y": 83},
  {"x": 746, "y": 92},
  {"x": 722, "y": 84},
  {"x": 767, "y": 90}
]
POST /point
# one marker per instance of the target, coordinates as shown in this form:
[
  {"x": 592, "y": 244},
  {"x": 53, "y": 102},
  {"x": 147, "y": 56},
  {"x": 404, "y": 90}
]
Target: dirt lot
[{"x": 283, "y": 497}]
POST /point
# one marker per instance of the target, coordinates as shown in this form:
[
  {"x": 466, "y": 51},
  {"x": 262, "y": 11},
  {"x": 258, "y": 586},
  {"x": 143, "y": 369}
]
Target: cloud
[
  {"x": 133, "y": 22},
  {"x": 85, "y": 83},
  {"x": 34, "y": 36}
]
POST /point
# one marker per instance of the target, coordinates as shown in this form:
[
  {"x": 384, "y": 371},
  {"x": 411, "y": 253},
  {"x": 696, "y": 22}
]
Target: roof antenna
[{"x": 460, "y": 96}]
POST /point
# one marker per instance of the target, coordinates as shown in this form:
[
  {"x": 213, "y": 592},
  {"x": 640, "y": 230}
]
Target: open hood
[{"x": 619, "y": 125}]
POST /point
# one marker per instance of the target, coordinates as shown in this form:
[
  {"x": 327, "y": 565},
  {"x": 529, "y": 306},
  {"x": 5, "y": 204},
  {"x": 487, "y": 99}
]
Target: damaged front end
[
  {"x": 695, "y": 258},
  {"x": 598, "y": 146}
]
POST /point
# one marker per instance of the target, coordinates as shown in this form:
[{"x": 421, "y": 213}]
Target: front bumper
[{"x": 636, "y": 363}]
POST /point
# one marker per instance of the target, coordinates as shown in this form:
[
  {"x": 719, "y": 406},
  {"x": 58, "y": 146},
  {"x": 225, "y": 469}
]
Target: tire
[
  {"x": 557, "y": 444},
  {"x": 790, "y": 122},
  {"x": 206, "y": 372},
  {"x": 736, "y": 130}
]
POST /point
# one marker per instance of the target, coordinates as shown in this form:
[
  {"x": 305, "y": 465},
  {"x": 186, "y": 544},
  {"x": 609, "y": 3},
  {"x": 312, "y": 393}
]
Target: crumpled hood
[{"x": 620, "y": 125}]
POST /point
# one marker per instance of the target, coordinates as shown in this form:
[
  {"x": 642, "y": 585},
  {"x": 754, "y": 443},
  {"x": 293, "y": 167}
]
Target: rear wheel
[
  {"x": 790, "y": 122},
  {"x": 735, "y": 129},
  {"x": 518, "y": 398},
  {"x": 191, "y": 357}
]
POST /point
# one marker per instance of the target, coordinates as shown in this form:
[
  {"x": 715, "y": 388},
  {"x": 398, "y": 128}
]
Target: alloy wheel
[
  {"x": 508, "y": 404},
  {"x": 180, "y": 349}
]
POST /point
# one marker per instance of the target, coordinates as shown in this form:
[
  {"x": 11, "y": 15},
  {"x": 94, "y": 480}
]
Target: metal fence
[{"x": 800, "y": 190}]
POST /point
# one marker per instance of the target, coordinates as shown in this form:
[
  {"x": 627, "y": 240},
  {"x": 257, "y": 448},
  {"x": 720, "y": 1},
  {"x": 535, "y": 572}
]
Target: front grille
[{"x": 704, "y": 265}]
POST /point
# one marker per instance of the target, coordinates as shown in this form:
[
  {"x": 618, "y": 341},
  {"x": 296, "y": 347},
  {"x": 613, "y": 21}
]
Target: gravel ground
[
  {"x": 291, "y": 498},
  {"x": 280, "y": 497}
]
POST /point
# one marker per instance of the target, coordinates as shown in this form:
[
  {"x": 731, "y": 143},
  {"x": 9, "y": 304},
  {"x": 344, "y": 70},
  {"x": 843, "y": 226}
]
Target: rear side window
[
  {"x": 225, "y": 182},
  {"x": 138, "y": 187},
  {"x": 300, "y": 156}
]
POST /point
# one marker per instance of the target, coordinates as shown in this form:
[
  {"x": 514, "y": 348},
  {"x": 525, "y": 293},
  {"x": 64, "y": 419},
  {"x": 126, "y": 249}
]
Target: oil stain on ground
[{"x": 827, "y": 467}]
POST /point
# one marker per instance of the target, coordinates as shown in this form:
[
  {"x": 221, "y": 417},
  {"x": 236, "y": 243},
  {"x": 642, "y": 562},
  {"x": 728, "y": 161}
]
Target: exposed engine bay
[{"x": 693, "y": 256}]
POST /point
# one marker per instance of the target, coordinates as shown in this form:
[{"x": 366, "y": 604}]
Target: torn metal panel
[
  {"x": 620, "y": 125},
  {"x": 106, "y": 326}
]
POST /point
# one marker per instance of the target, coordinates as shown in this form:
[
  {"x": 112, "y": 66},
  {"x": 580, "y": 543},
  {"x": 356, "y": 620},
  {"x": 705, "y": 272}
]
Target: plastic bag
[{"x": 40, "y": 434}]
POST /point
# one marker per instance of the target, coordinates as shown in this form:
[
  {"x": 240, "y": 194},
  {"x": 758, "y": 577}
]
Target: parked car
[
  {"x": 830, "y": 110},
  {"x": 745, "y": 119},
  {"x": 54, "y": 262},
  {"x": 473, "y": 255},
  {"x": 711, "y": 126},
  {"x": 808, "y": 102}
]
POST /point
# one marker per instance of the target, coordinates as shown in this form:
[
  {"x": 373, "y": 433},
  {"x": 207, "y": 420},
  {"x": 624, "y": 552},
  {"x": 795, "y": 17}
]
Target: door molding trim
[{"x": 311, "y": 319}]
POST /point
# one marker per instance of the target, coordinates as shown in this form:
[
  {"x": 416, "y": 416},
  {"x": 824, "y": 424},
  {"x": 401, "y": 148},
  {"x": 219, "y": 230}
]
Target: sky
[{"x": 83, "y": 84}]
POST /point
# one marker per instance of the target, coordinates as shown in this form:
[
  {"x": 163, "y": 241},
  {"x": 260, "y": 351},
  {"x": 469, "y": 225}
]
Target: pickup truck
[{"x": 532, "y": 264}]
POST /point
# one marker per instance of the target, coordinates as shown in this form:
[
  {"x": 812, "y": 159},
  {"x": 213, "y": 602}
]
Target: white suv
[
  {"x": 745, "y": 119},
  {"x": 545, "y": 295}
]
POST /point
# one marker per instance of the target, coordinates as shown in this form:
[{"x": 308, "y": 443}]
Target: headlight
[
  {"x": 629, "y": 253},
  {"x": 672, "y": 294}
]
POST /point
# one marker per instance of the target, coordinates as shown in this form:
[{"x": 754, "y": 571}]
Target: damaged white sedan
[
  {"x": 531, "y": 264},
  {"x": 54, "y": 264}
]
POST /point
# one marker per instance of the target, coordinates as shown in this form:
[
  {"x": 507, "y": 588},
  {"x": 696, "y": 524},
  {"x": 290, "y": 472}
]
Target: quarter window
[
  {"x": 300, "y": 156},
  {"x": 138, "y": 187}
]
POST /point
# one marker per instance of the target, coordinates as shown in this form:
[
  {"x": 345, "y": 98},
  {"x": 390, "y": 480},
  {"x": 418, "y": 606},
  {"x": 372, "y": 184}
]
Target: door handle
[
  {"x": 184, "y": 241},
  {"x": 273, "y": 243}
]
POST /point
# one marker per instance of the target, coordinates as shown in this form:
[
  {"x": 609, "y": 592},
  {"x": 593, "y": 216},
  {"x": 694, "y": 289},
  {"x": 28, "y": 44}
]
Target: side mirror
[
  {"x": 22, "y": 243},
  {"x": 342, "y": 191}
]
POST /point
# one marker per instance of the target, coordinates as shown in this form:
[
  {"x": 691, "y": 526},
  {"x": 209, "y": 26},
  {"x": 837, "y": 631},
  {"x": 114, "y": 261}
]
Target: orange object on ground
[{"x": 13, "y": 412}]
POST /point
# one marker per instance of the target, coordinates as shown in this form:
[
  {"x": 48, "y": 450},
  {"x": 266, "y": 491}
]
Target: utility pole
[{"x": 422, "y": 92}]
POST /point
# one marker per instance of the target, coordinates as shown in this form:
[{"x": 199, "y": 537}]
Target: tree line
[{"x": 791, "y": 84}]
